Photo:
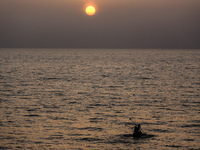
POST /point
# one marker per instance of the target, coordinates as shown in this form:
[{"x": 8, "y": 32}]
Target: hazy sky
[{"x": 116, "y": 24}]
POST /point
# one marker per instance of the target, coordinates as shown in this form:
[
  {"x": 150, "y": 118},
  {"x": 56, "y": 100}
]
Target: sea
[{"x": 90, "y": 99}]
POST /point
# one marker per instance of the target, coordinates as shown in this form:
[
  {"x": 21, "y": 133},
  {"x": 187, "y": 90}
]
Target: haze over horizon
[{"x": 116, "y": 24}]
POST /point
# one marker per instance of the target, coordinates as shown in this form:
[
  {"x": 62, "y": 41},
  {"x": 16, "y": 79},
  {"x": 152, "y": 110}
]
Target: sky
[{"x": 169, "y": 24}]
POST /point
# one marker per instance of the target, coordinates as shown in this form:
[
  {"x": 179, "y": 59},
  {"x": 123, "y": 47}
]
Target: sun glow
[{"x": 90, "y": 10}]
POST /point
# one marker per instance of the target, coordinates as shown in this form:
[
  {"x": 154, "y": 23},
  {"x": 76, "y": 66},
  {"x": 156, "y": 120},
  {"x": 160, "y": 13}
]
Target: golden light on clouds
[{"x": 90, "y": 10}]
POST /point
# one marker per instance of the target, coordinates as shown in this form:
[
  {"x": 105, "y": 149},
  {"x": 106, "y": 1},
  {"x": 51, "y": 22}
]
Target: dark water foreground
[{"x": 83, "y": 99}]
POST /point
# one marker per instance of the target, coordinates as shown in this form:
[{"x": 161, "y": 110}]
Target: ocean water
[{"x": 83, "y": 99}]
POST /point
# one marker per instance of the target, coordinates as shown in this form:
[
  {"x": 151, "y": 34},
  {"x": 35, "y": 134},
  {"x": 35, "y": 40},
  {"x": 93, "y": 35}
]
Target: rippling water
[{"x": 83, "y": 99}]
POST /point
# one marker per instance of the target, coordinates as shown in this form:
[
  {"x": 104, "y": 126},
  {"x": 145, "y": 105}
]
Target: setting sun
[{"x": 90, "y": 10}]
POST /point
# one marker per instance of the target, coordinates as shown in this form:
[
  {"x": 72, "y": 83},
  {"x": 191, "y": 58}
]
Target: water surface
[{"x": 83, "y": 99}]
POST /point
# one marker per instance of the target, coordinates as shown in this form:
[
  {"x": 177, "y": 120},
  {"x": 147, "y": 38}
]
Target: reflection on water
[{"x": 83, "y": 99}]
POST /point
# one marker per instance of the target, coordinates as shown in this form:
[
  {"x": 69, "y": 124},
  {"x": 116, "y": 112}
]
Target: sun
[{"x": 90, "y": 10}]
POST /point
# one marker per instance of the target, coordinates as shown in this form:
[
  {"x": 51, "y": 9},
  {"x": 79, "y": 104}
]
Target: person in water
[{"x": 137, "y": 130}]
